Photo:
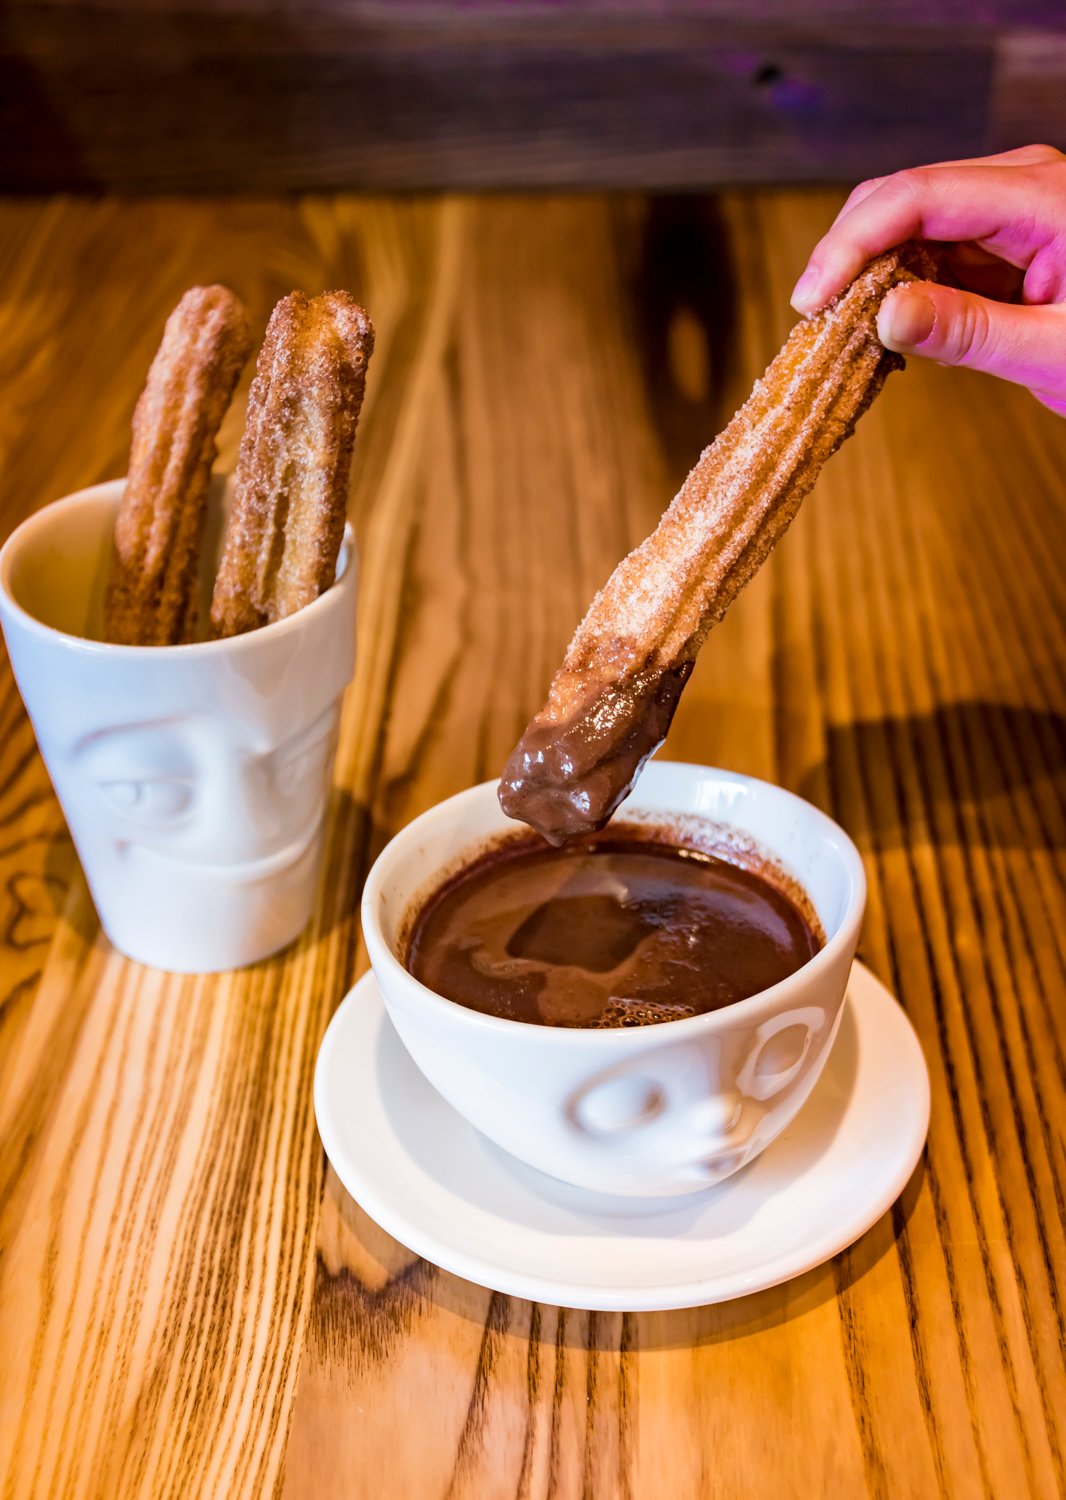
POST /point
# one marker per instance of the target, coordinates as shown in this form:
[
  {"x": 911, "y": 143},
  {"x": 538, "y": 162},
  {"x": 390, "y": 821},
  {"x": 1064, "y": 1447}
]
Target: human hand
[{"x": 1002, "y": 224}]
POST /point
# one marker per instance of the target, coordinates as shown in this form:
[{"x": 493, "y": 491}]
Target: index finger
[
  {"x": 994, "y": 205},
  {"x": 1019, "y": 156}
]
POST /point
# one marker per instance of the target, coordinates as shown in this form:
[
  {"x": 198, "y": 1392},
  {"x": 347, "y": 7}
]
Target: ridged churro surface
[
  {"x": 287, "y": 517},
  {"x": 151, "y": 590},
  {"x": 611, "y": 702}
]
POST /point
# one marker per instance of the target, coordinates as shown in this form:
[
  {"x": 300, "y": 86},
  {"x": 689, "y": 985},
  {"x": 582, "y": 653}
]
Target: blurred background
[{"x": 147, "y": 96}]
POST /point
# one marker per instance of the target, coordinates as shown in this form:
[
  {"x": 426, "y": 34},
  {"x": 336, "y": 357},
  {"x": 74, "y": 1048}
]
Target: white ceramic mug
[
  {"x": 646, "y": 1112},
  {"x": 193, "y": 778}
]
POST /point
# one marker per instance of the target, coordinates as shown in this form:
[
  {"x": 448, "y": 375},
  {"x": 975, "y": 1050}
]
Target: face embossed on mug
[{"x": 620, "y": 929}]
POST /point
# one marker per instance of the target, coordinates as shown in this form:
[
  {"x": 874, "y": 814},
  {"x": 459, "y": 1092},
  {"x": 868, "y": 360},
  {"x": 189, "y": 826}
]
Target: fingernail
[
  {"x": 905, "y": 319},
  {"x": 805, "y": 293}
]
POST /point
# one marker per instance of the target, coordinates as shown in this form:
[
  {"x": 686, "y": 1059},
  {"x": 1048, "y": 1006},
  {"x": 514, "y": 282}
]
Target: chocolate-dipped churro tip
[
  {"x": 286, "y": 520},
  {"x": 611, "y": 702},
  {"x": 150, "y": 598}
]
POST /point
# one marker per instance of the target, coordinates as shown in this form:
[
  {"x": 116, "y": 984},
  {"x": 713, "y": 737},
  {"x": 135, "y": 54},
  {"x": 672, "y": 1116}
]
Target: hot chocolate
[{"x": 618, "y": 929}]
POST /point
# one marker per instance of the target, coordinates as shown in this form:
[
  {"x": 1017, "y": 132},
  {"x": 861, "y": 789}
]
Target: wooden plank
[
  {"x": 1029, "y": 89},
  {"x": 452, "y": 16},
  {"x": 196, "y": 1306},
  {"x": 260, "y": 101}
]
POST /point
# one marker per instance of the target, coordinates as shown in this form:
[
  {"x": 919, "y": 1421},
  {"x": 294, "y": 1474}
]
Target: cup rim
[
  {"x": 108, "y": 488},
  {"x": 381, "y": 951}
]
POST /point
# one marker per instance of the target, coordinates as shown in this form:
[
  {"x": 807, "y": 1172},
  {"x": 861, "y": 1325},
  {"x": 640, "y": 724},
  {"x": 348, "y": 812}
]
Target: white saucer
[{"x": 437, "y": 1185}]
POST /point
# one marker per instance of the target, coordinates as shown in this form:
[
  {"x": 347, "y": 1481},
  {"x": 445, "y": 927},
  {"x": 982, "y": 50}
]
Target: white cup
[
  {"x": 647, "y": 1112},
  {"x": 193, "y": 778}
]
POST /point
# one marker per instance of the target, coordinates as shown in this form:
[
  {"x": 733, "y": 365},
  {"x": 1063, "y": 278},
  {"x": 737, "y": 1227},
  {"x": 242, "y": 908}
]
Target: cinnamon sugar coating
[
  {"x": 151, "y": 590},
  {"x": 610, "y": 703},
  {"x": 287, "y": 518}
]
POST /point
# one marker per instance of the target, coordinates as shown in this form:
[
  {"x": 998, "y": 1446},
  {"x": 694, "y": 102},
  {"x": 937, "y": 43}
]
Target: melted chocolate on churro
[
  {"x": 568, "y": 777},
  {"x": 618, "y": 930}
]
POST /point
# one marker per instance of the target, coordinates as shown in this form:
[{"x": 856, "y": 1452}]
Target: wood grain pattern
[
  {"x": 189, "y": 1303},
  {"x": 259, "y": 96}
]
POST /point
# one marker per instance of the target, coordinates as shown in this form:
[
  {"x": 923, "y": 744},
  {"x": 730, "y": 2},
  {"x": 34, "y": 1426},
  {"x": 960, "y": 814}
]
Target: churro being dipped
[
  {"x": 612, "y": 700},
  {"x": 287, "y": 518},
  {"x": 150, "y": 598}
]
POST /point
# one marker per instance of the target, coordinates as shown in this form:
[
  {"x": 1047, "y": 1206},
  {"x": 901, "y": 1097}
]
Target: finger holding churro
[
  {"x": 997, "y": 225},
  {"x": 150, "y": 598},
  {"x": 611, "y": 702},
  {"x": 287, "y": 517}
]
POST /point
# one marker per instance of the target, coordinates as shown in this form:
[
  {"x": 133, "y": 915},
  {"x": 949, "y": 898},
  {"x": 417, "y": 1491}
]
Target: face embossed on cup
[
  {"x": 194, "y": 778},
  {"x": 641, "y": 1112},
  {"x": 629, "y": 927}
]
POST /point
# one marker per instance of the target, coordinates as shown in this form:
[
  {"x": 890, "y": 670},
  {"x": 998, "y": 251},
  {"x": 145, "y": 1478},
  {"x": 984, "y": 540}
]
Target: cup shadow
[{"x": 990, "y": 773}]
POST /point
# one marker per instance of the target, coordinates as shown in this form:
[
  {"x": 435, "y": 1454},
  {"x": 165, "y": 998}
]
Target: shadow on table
[
  {"x": 985, "y": 774},
  {"x": 684, "y": 299}
]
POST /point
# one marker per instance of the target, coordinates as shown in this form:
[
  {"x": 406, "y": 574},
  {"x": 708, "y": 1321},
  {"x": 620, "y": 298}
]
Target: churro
[
  {"x": 612, "y": 700},
  {"x": 150, "y": 598},
  {"x": 286, "y": 522}
]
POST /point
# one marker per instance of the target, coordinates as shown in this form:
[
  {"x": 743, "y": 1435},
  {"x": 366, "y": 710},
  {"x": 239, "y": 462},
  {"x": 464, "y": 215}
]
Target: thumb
[{"x": 1023, "y": 344}]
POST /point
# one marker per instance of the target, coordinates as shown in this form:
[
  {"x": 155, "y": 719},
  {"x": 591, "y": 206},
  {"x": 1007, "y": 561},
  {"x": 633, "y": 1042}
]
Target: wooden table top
[{"x": 189, "y": 1302}]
